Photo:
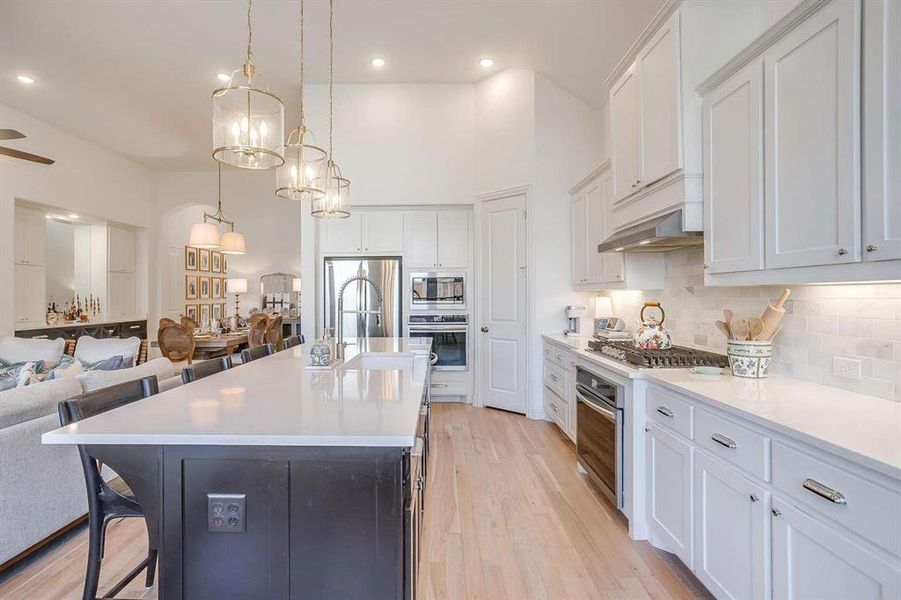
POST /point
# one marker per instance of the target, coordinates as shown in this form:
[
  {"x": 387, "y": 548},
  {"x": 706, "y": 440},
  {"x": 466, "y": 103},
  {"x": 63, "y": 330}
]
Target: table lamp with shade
[{"x": 236, "y": 287}]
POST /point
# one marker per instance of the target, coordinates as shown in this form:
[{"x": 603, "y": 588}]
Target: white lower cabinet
[
  {"x": 560, "y": 388},
  {"x": 670, "y": 491},
  {"x": 811, "y": 561},
  {"x": 731, "y": 531}
]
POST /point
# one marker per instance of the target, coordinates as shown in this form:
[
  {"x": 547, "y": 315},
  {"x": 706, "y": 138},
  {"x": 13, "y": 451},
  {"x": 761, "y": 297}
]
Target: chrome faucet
[{"x": 340, "y": 344}]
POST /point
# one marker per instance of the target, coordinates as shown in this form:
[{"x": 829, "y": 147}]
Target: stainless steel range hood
[{"x": 661, "y": 234}]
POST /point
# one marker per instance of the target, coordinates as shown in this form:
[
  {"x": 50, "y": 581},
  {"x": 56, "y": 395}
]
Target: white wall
[{"x": 85, "y": 179}]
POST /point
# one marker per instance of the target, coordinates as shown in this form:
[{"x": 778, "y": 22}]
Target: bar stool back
[
  {"x": 251, "y": 354},
  {"x": 205, "y": 368}
]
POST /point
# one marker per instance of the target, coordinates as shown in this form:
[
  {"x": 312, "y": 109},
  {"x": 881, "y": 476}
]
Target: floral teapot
[{"x": 650, "y": 334}]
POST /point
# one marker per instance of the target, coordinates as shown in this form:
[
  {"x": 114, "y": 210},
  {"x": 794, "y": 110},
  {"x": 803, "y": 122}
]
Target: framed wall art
[
  {"x": 190, "y": 258},
  {"x": 191, "y": 311},
  {"x": 216, "y": 262},
  {"x": 204, "y": 313},
  {"x": 191, "y": 287},
  {"x": 216, "y": 283},
  {"x": 203, "y": 259},
  {"x": 204, "y": 284}
]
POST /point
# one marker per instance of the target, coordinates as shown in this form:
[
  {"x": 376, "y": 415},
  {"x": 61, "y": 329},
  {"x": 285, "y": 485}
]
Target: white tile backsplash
[{"x": 822, "y": 321}]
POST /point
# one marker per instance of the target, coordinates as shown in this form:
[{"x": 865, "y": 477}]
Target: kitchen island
[{"x": 271, "y": 480}]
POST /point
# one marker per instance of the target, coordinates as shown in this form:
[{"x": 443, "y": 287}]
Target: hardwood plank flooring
[{"x": 507, "y": 516}]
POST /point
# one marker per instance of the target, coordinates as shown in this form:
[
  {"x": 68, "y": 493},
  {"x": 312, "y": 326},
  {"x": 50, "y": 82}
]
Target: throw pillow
[
  {"x": 17, "y": 374},
  {"x": 68, "y": 366},
  {"x": 113, "y": 363}
]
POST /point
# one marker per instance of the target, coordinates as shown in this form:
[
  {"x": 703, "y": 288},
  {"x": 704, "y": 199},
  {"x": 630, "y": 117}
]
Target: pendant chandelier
[
  {"x": 248, "y": 121},
  {"x": 206, "y": 235},
  {"x": 335, "y": 204},
  {"x": 304, "y": 161}
]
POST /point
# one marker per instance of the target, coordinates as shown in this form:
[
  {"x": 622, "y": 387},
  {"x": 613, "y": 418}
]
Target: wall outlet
[
  {"x": 846, "y": 367},
  {"x": 225, "y": 513}
]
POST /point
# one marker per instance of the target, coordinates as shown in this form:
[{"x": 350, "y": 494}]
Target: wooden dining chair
[
  {"x": 165, "y": 321},
  {"x": 189, "y": 323},
  {"x": 257, "y": 334},
  {"x": 176, "y": 342},
  {"x": 274, "y": 333},
  {"x": 114, "y": 499}
]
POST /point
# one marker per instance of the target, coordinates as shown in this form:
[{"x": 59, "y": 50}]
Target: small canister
[{"x": 749, "y": 359}]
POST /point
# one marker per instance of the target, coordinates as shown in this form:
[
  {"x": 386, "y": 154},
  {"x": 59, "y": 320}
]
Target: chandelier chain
[
  {"x": 331, "y": 75},
  {"x": 249, "y": 34},
  {"x": 301, "y": 63}
]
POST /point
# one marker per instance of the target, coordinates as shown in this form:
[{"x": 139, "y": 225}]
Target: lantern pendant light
[
  {"x": 206, "y": 235},
  {"x": 304, "y": 161},
  {"x": 335, "y": 204},
  {"x": 248, "y": 120}
]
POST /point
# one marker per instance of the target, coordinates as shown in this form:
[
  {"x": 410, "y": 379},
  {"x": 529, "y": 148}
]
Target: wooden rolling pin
[{"x": 772, "y": 316}]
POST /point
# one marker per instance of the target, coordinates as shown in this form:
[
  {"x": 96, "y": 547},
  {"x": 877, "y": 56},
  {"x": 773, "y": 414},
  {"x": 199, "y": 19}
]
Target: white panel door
[
  {"x": 504, "y": 346},
  {"x": 669, "y": 491},
  {"x": 453, "y": 239},
  {"x": 882, "y": 127},
  {"x": 731, "y": 537},
  {"x": 624, "y": 133},
  {"x": 733, "y": 173},
  {"x": 579, "y": 241},
  {"x": 811, "y": 561},
  {"x": 383, "y": 231},
  {"x": 812, "y": 116},
  {"x": 341, "y": 235},
  {"x": 614, "y": 262},
  {"x": 421, "y": 238},
  {"x": 661, "y": 106},
  {"x": 594, "y": 232}
]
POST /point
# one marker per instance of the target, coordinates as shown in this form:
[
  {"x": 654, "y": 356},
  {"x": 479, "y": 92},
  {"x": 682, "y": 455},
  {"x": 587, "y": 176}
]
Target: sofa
[{"x": 42, "y": 487}]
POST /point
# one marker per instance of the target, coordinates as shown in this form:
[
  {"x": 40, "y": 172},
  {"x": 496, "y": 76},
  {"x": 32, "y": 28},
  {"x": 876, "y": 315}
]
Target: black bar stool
[
  {"x": 205, "y": 369},
  {"x": 294, "y": 340},
  {"x": 106, "y": 501},
  {"x": 250, "y": 354}
]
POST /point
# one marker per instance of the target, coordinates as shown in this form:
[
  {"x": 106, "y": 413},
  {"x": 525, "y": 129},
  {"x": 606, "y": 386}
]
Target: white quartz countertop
[
  {"x": 373, "y": 399},
  {"x": 858, "y": 427}
]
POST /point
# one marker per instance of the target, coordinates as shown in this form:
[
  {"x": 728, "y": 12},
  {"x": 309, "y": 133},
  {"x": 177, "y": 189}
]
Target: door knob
[{"x": 484, "y": 330}]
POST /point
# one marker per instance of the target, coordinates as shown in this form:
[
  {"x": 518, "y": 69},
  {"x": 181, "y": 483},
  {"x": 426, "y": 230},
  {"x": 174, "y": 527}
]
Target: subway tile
[
  {"x": 822, "y": 325},
  {"x": 874, "y": 349}
]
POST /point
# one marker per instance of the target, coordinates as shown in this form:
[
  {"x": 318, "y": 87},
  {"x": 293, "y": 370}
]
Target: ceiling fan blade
[
  {"x": 11, "y": 134},
  {"x": 26, "y": 156}
]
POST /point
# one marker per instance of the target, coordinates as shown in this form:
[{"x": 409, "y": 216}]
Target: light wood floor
[{"x": 507, "y": 516}]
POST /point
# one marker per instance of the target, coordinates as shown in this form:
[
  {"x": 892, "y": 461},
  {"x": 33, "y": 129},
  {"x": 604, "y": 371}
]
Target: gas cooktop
[{"x": 677, "y": 356}]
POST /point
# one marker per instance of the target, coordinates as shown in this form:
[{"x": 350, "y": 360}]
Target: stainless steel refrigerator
[{"x": 372, "y": 296}]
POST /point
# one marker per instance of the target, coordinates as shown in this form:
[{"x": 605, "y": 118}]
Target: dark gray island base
[{"x": 318, "y": 522}]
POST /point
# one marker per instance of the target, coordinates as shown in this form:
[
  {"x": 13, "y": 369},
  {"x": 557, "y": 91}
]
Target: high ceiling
[{"x": 135, "y": 76}]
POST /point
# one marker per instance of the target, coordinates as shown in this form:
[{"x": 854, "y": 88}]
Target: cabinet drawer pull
[
  {"x": 776, "y": 512},
  {"x": 754, "y": 498},
  {"x": 666, "y": 412},
  {"x": 824, "y": 491},
  {"x": 872, "y": 248},
  {"x": 135, "y": 327},
  {"x": 438, "y": 385},
  {"x": 842, "y": 252},
  {"x": 722, "y": 440}
]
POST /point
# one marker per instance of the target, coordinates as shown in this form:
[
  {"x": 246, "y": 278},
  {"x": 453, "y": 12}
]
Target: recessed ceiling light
[
  {"x": 620, "y": 249},
  {"x": 486, "y": 62},
  {"x": 73, "y": 216},
  {"x": 644, "y": 242},
  {"x": 223, "y": 77},
  {"x": 48, "y": 216},
  {"x": 378, "y": 63},
  {"x": 25, "y": 79}
]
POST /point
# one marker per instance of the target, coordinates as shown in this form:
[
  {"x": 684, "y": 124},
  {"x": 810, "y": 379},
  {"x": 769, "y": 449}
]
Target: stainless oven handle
[{"x": 602, "y": 411}]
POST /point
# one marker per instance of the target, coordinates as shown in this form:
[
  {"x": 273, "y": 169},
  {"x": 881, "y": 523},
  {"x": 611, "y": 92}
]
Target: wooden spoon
[
  {"x": 740, "y": 329},
  {"x": 755, "y": 328},
  {"x": 727, "y": 317},
  {"x": 721, "y": 325}
]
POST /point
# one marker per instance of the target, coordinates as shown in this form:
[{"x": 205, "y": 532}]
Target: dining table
[{"x": 210, "y": 344}]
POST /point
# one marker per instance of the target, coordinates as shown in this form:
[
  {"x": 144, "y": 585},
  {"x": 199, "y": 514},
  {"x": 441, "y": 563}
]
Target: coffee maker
[{"x": 576, "y": 317}]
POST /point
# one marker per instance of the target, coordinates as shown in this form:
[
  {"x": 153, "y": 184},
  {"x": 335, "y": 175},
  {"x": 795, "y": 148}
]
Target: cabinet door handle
[
  {"x": 872, "y": 248},
  {"x": 722, "y": 440},
  {"x": 842, "y": 251},
  {"x": 484, "y": 329},
  {"x": 824, "y": 491},
  {"x": 753, "y": 498},
  {"x": 666, "y": 412},
  {"x": 776, "y": 512}
]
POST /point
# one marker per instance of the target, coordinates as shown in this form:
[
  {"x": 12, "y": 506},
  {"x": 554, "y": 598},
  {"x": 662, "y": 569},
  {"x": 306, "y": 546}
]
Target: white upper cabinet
[
  {"x": 579, "y": 241},
  {"x": 594, "y": 231},
  {"x": 882, "y": 130},
  {"x": 121, "y": 250},
  {"x": 812, "y": 560},
  {"x": 454, "y": 243},
  {"x": 733, "y": 173},
  {"x": 421, "y": 238},
  {"x": 30, "y": 293},
  {"x": 811, "y": 141},
  {"x": 341, "y": 235},
  {"x": 30, "y": 237},
  {"x": 625, "y": 131},
  {"x": 660, "y": 98},
  {"x": 121, "y": 297},
  {"x": 383, "y": 231}
]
